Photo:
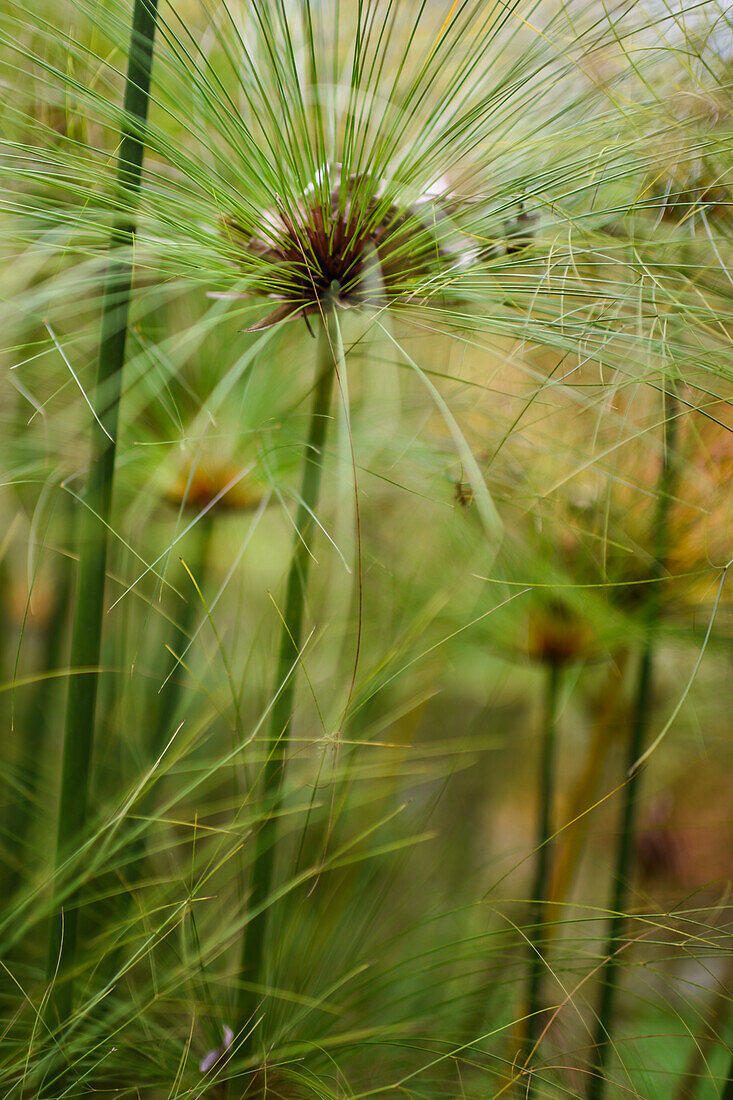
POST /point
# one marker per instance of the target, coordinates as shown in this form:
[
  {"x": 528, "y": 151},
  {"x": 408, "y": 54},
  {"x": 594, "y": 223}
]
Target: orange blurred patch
[{"x": 216, "y": 485}]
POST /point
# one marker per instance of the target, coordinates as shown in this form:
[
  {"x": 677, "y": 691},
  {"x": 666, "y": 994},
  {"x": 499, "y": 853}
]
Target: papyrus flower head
[
  {"x": 353, "y": 241},
  {"x": 214, "y": 484}
]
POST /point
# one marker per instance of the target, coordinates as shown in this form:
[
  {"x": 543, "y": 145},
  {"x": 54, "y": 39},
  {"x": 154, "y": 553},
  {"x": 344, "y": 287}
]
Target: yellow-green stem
[
  {"x": 624, "y": 862},
  {"x": 94, "y": 521},
  {"x": 542, "y": 866},
  {"x": 252, "y": 968},
  {"x": 36, "y": 729},
  {"x": 584, "y": 791}
]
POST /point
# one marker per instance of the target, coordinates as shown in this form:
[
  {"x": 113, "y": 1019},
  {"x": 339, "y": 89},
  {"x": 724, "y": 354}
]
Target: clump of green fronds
[{"x": 317, "y": 715}]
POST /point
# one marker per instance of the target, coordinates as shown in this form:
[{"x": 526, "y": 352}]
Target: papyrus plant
[{"x": 458, "y": 172}]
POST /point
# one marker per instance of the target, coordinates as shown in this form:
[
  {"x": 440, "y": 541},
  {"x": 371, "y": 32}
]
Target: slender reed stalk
[
  {"x": 584, "y": 792},
  {"x": 94, "y": 520},
  {"x": 624, "y": 862},
  {"x": 35, "y": 748},
  {"x": 253, "y": 942},
  {"x": 542, "y": 866}
]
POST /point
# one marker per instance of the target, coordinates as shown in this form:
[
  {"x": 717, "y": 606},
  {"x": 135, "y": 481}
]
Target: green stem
[
  {"x": 584, "y": 792},
  {"x": 36, "y": 728},
  {"x": 253, "y": 942},
  {"x": 94, "y": 520},
  {"x": 542, "y": 866},
  {"x": 623, "y": 871},
  {"x": 642, "y": 709}
]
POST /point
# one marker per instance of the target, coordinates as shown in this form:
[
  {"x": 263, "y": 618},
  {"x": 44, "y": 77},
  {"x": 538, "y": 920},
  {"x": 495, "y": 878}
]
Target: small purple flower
[{"x": 213, "y": 1056}]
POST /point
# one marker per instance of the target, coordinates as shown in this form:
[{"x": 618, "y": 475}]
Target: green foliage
[{"x": 515, "y": 220}]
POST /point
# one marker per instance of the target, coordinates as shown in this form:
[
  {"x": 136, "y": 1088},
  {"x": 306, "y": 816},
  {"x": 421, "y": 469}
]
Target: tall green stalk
[
  {"x": 94, "y": 520},
  {"x": 265, "y": 842},
  {"x": 584, "y": 792},
  {"x": 542, "y": 867},
  {"x": 624, "y": 863},
  {"x": 36, "y": 726}
]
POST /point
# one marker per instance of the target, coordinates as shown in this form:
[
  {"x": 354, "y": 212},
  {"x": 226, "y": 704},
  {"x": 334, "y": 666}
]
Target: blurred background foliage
[{"x": 588, "y": 344}]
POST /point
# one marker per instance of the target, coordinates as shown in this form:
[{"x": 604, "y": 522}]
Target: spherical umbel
[{"x": 348, "y": 238}]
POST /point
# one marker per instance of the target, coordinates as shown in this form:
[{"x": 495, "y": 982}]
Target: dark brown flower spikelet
[
  {"x": 359, "y": 247},
  {"x": 555, "y": 634}
]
